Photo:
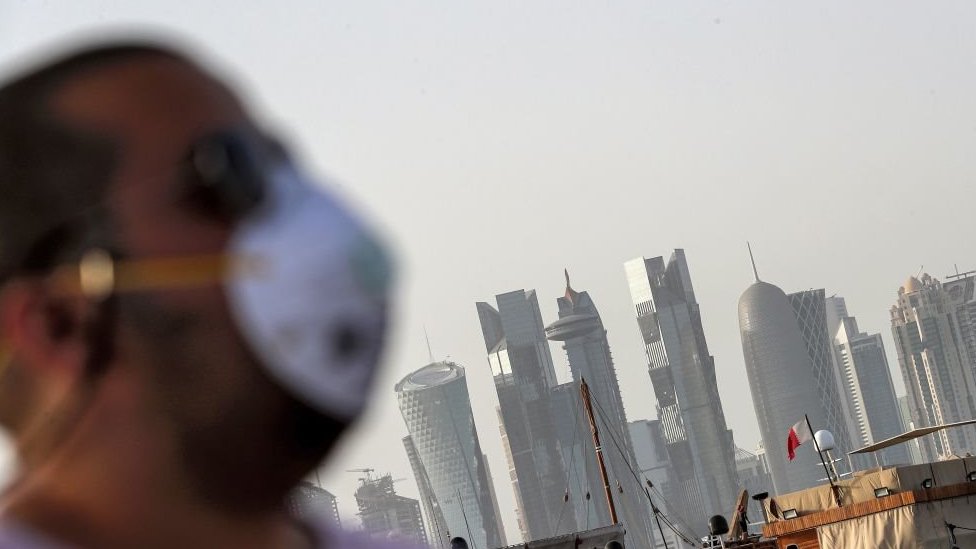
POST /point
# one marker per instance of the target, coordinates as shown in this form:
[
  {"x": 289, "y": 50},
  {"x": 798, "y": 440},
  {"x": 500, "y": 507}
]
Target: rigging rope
[
  {"x": 687, "y": 539},
  {"x": 572, "y": 460}
]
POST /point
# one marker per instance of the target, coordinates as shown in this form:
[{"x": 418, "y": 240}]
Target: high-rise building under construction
[{"x": 386, "y": 514}]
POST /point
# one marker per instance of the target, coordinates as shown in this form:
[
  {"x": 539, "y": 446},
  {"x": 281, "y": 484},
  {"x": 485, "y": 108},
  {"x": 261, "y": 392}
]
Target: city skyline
[
  {"x": 835, "y": 136},
  {"x": 812, "y": 311},
  {"x": 834, "y": 309}
]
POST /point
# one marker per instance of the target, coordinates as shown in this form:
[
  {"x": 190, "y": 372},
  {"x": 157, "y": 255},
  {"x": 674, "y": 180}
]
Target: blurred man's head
[{"x": 97, "y": 153}]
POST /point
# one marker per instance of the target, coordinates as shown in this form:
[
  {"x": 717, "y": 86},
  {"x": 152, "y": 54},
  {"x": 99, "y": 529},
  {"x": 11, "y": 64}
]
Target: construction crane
[{"x": 367, "y": 470}]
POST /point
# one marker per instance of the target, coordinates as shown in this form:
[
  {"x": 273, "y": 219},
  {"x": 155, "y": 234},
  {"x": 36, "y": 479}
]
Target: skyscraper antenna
[
  {"x": 753, "y": 260},
  {"x": 430, "y": 353}
]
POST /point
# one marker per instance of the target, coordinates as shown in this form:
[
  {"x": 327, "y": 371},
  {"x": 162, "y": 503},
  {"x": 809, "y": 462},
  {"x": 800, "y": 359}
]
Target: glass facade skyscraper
[
  {"x": 524, "y": 377},
  {"x": 863, "y": 370},
  {"x": 446, "y": 456},
  {"x": 810, "y": 310},
  {"x": 682, "y": 371}
]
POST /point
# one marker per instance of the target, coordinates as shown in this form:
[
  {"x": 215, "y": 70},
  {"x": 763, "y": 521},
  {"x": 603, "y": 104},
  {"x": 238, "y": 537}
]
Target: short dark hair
[{"x": 53, "y": 176}]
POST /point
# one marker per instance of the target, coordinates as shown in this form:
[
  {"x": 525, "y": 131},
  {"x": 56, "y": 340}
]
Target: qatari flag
[{"x": 799, "y": 434}]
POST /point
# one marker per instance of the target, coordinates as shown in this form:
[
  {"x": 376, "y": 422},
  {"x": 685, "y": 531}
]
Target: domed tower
[{"x": 782, "y": 381}]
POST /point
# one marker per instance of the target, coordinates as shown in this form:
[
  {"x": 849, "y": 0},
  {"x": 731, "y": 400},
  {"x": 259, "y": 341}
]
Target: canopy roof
[{"x": 905, "y": 437}]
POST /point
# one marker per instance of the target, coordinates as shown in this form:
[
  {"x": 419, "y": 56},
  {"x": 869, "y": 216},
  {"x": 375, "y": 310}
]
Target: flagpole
[{"x": 830, "y": 478}]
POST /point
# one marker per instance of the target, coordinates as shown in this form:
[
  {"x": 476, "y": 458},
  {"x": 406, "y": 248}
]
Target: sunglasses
[
  {"x": 223, "y": 177},
  {"x": 225, "y": 173}
]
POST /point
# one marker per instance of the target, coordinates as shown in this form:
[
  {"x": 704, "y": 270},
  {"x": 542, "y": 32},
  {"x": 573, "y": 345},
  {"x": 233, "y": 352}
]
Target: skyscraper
[
  {"x": 783, "y": 382},
  {"x": 384, "y": 513},
  {"x": 494, "y": 502},
  {"x": 512, "y": 477},
  {"x": 446, "y": 455},
  {"x": 810, "y": 309},
  {"x": 584, "y": 489},
  {"x": 682, "y": 372},
  {"x": 580, "y": 330},
  {"x": 524, "y": 377},
  {"x": 836, "y": 311},
  {"x": 655, "y": 465},
  {"x": 308, "y": 500},
  {"x": 862, "y": 366},
  {"x": 436, "y": 523},
  {"x": 934, "y": 326},
  {"x": 651, "y": 451}
]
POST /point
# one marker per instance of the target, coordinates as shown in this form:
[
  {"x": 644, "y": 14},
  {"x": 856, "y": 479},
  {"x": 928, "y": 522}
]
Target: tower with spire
[
  {"x": 786, "y": 349},
  {"x": 752, "y": 258},
  {"x": 584, "y": 339}
]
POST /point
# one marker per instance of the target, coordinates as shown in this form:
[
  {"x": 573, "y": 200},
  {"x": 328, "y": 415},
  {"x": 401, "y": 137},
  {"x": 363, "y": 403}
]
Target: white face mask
[{"x": 313, "y": 299}]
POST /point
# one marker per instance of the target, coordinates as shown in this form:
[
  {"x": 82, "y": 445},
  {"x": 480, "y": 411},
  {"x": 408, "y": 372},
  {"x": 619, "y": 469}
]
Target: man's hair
[{"x": 53, "y": 176}]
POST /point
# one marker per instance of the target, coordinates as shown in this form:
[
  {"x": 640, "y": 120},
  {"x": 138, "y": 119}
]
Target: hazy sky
[{"x": 500, "y": 142}]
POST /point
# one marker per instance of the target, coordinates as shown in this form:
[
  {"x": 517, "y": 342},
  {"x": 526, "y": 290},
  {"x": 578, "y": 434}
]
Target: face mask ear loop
[{"x": 97, "y": 279}]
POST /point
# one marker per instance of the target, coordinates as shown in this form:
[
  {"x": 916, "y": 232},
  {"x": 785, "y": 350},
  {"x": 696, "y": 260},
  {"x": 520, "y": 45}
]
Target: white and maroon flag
[{"x": 799, "y": 434}]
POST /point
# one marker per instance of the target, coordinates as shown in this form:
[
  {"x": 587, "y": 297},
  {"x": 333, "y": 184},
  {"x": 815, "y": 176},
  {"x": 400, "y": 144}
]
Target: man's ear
[{"x": 42, "y": 330}]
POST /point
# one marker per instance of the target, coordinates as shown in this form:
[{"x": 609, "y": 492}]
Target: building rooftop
[
  {"x": 912, "y": 285},
  {"x": 759, "y": 292},
  {"x": 572, "y": 326},
  {"x": 431, "y": 375}
]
